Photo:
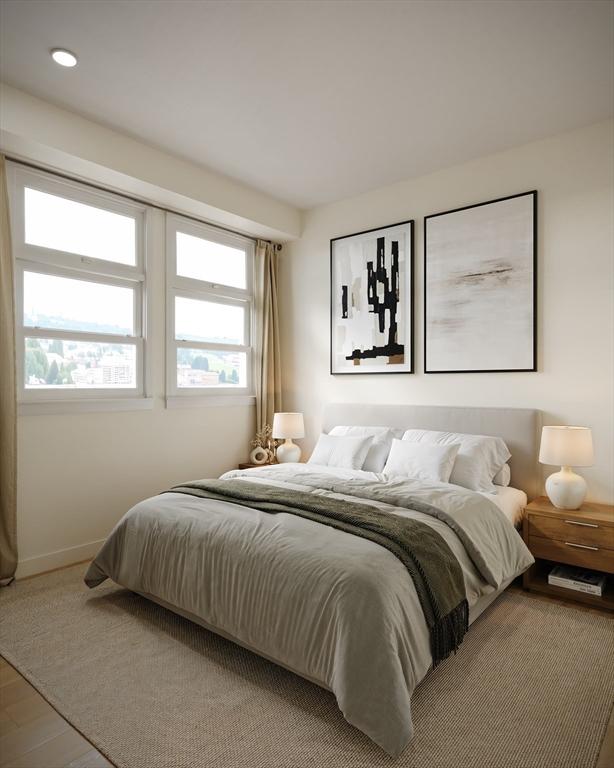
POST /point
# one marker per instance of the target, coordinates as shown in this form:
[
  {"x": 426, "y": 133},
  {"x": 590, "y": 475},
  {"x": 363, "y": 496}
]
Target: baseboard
[{"x": 31, "y": 566}]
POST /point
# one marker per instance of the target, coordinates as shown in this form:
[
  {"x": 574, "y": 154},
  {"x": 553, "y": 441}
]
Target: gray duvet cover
[{"x": 334, "y": 607}]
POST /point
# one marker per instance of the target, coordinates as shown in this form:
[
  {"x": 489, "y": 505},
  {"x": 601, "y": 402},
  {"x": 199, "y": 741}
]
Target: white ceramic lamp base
[
  {"x": 566, "y": 489},
  {"x": 288, "y": 451}
]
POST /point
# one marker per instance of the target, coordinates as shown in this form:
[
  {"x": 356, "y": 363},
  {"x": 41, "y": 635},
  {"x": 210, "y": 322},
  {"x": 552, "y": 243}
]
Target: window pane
[
  {"x": 61, "y": 364},
  {"x": 213, "y": 262},
  {"x": 197, "y": 320},
  {"x": 211, "y": 368},
  {"x": 65, "y": 225},
  {"x": 77, "y": 305}
]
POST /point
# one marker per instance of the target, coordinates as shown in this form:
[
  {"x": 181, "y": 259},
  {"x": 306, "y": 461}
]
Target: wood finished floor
[{"x": 34, "y": 735}]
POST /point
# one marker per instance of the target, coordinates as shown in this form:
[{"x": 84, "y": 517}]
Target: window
[
  {"x": 80, "y": 282},
  {"x": 66, "y": 225},
  {"x": 209, "y": 310}
]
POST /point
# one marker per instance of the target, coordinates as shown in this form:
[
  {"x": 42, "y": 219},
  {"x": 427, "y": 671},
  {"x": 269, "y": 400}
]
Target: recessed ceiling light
[{"x": 63, "y": 57}]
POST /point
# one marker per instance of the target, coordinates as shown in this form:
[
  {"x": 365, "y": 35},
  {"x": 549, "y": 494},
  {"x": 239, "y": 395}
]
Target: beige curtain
[
  {"x": 268, "y": 366},
  {"x": 8, "y": 403}
]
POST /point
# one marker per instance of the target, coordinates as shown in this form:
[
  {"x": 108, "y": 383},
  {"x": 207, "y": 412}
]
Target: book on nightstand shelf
[{"x": 580, "y": 579}]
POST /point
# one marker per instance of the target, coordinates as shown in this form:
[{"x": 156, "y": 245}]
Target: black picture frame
[
  {"x": 534, "y": 349},
  {"x": 410, "y": 293}
]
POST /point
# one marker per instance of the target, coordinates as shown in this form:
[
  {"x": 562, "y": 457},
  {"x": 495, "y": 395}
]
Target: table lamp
[
  {"x": 568, "y": 447},
  {"x": 288, "y": 425}
]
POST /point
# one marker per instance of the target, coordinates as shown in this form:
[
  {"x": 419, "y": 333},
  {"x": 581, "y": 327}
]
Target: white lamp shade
[
  {"x": 287, "y": 425},
  {"x": 566, "y": 446}
]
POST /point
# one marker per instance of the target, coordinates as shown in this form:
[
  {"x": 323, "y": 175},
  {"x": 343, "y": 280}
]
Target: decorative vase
[{"x": 259, "y": 455}]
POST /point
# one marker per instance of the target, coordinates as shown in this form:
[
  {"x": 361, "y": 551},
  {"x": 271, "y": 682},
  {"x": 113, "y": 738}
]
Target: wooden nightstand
[
  {"x": 583, "y": 537},
  {"x": 247, "y": 465}
]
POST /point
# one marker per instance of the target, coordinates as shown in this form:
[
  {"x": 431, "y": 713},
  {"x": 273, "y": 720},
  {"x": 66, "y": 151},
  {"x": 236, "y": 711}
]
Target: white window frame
[
  {"x": 34, "y": 258},
  {"x": 192, "y": 288}
]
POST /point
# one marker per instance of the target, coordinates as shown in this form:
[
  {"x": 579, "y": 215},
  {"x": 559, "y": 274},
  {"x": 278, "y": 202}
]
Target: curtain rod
[{"x": 139, "y": 200}]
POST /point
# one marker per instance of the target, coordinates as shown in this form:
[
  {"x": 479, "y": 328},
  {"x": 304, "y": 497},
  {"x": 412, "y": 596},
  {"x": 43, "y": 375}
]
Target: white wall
[
  {"x": 575, "y": 380},
  {"x": 35, "y": 130},
  {"x": 78, "y": 473}
]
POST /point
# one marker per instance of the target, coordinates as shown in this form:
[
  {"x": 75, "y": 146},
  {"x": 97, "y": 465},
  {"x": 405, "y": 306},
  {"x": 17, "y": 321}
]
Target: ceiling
[{"x": 312, "y": 101}]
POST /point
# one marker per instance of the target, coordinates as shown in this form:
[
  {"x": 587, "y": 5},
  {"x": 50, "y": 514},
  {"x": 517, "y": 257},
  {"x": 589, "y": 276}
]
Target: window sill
[
  {"x": 45, "y": 407},
  {"x": 209, "y": 401}
]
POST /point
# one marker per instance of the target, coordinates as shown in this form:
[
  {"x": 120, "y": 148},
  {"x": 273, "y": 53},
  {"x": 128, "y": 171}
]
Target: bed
[{"x": 336, "y": 608}]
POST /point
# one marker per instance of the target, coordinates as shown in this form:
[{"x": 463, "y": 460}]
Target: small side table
[{"x": 582, "y": 537}]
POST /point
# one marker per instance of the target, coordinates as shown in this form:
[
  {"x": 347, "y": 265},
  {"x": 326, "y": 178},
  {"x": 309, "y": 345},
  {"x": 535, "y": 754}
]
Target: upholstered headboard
[{"x": 519, "y": 427}]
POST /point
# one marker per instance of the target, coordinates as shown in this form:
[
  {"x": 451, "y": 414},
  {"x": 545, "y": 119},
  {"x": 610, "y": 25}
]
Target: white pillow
[
  {"x": 379, "y": 448},
  {"x": 503, "y": 476},
  {"x": 479, "y": 457},
  {"x": 342, "y": 452},
  {"x": 421, "y": 461}
]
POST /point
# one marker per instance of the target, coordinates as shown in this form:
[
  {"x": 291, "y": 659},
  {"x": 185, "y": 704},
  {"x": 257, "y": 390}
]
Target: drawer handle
[
  {"x": 581, "y": 546},
  {"x": 586, "y": 525}
]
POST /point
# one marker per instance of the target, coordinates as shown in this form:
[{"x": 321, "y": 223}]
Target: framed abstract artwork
[
  {"x": 371, "y": 308},
  {"x": 480, "y": 282}
]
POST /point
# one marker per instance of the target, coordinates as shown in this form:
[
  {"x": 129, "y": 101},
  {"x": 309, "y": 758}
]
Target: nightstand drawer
[
  {"x": 572, "y": 553},
  {"x": 572, "y": 529}
]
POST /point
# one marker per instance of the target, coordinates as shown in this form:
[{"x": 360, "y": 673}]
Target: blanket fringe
[{"x": 448, "y": 631}]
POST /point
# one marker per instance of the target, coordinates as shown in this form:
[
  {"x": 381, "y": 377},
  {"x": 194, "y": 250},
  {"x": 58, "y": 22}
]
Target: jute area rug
[{"x": 532, "y": 686}]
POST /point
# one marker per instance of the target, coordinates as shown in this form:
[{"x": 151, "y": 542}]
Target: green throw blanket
[{"x": 430, "y": 562}]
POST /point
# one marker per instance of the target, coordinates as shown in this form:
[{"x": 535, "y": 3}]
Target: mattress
[{"x": 511, "y": 502}]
